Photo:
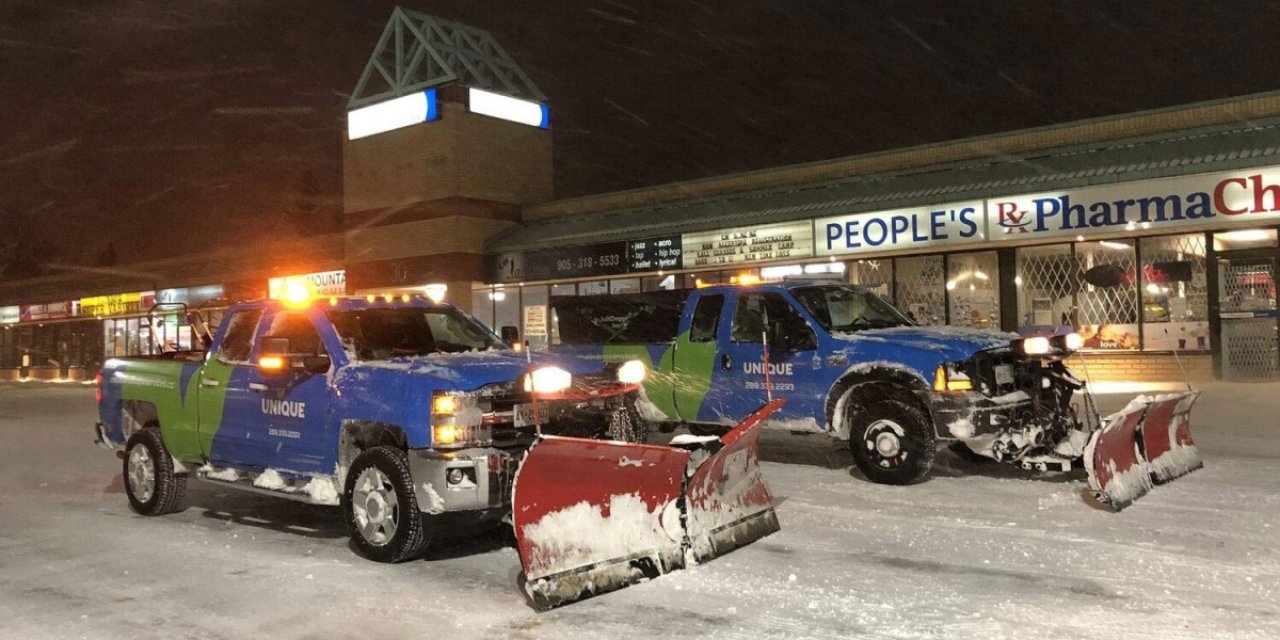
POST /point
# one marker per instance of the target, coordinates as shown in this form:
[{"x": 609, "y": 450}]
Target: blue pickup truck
[
  {"x": 400, "y": 410},
  {"x": 849, "y": 364}
]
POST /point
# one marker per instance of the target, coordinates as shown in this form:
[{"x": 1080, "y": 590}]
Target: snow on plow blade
[
  {"x": 592, "y": 516},
  {"x": 1145, "y": 444}
]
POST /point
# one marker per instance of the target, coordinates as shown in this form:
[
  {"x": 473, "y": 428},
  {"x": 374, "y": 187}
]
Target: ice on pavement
[{"x": 979, "y": 551}]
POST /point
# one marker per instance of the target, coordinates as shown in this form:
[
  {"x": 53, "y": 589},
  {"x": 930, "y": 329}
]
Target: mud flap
[
  {"x": 592, "y": 516},
  {"x": 1145, "y": 444}
]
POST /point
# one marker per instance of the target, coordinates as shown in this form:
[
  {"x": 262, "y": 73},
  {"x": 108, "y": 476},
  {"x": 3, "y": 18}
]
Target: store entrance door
[{"x": 1248, "y": 312}]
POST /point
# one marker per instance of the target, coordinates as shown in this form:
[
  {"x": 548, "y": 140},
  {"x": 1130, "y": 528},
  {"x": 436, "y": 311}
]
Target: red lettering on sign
[
  {"x": 1260, "y": 191},
  {"x": 1220, "y": 200}
]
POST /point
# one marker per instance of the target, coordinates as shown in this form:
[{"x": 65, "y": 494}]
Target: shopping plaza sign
[{"x": 1247, "y": 196}]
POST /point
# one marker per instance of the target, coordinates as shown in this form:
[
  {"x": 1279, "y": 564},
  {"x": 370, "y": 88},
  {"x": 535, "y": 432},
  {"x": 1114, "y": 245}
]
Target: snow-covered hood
[
  {"x": 468, "y": 370},
  {"x": 949, "y": 344}
]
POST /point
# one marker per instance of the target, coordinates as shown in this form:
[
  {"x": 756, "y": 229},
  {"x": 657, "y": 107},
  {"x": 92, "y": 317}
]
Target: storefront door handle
[{"x": 205, "y": 382}]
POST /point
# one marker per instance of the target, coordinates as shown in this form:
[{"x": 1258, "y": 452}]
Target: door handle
[
  {"x": 726, "y": 362},
  {"x": 257, "y": 386},
  {"x": 205, "y": 382}
]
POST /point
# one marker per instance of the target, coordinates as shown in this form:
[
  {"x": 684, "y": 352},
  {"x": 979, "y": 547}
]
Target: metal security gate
[{"x": 1248, "y": 312}]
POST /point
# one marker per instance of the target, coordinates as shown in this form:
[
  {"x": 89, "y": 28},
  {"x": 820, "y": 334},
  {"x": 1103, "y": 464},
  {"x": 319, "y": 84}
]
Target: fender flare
[{"x": 905, "y": 378}]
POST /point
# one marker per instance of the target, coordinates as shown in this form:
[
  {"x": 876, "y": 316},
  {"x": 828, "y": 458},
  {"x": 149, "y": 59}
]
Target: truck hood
[
  {"x": 471, "y": 370},
  {"x": 940, "y": 344}
]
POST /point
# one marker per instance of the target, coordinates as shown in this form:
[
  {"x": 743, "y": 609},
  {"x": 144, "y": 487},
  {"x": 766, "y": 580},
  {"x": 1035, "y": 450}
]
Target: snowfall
[{"x": 978, "y": 551}]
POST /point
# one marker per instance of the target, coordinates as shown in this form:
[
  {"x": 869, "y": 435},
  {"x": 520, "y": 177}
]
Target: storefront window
[
  {"x": 1107, "y": 301},
  {"x": 876, "y": 275},
  {"x": 973, "y": 285},
  {"x": 506, "y": 308},
  {"x": 1175, "y": 294},
  {"x": 920, "y": 286},
  {"x": 534, "y": 316},
  {"x": 1046, "y": 282},
  {"x": 593, "y": 288},
  {"x": 624, "y": 285},
  {"x": 482, "y": 305}
]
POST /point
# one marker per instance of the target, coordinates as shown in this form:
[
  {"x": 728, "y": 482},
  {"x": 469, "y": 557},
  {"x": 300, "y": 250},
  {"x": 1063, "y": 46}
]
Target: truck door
[
  {"x": 739, "y": 383},
  {"x": 290, "y": 412},
  {"x": 693, "y": 367},
  {"x": 224, "y": 390}
]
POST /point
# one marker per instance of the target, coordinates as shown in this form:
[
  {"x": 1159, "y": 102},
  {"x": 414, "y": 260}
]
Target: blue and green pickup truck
[
  {"x": 411, "y": 415},
  {"x": 849, "y": 364}
]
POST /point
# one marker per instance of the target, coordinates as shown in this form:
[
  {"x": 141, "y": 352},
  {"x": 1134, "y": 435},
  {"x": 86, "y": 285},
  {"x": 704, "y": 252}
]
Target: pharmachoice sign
[
  {"x": 1248, "y": 196},
  {"x": 879, "y": 231}
]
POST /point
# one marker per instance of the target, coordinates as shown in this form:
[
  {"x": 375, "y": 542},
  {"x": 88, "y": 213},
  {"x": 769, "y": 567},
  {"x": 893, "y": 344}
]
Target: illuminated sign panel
[
  {"x": 324, "y": 283},
  {"x": 1249, "y": 196},
  {"x": 48, "y": 311},
  {"x": 392, "y": 114},
  {"x": 9, "y": 315},
  {"x": 191, "y": 296},
  {"x": 748, "y": 244},
  {"x": 878, "y": 231},
  {"x": 116, "y": 304},
  {"x": 653, "y": 254},
  {"x": 496, "y": 105}
]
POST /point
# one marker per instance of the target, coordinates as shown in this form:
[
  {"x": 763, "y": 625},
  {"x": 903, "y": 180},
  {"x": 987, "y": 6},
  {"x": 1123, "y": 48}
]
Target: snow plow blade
[
  {"x": 593, "y": 516},
  {"x": 1143, "y": 445}
]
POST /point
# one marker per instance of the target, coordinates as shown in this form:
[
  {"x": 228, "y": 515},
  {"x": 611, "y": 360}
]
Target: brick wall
[{"x": 1141, "y": 367}]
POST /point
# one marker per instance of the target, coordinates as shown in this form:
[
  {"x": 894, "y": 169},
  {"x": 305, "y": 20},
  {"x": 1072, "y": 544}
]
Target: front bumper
[
  {"x": 963, "y": 415},
  {"x": 487, "y": 476}
]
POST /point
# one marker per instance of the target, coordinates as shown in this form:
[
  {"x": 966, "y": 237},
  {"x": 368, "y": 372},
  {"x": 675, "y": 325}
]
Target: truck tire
[
  {"x": 151, "y": 485},
  {"x": 892, "y": 441},
  {"x": 381, "y": 508},
  {"x": 626, "y": 425}
]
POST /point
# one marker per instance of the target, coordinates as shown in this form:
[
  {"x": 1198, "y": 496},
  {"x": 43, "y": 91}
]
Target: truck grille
[{"x": 1003, "y": 371}]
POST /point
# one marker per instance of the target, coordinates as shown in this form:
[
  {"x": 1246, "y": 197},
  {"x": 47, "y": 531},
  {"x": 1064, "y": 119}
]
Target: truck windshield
[
  {"x": 378, "y": 334},
  {"x": 848, "y": 309}
]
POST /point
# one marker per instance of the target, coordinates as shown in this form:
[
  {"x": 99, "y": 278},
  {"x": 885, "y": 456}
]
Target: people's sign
[{"x": 1247, "y": 196}]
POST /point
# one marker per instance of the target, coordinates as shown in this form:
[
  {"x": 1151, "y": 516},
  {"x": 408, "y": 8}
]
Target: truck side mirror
[{"x": 510, "y": 335}]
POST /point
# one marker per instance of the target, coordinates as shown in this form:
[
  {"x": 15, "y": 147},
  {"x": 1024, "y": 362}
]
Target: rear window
[{"x": 237, "y": 343}]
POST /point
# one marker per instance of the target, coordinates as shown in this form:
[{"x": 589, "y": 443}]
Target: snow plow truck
[
  {"x": 854, "y": 367},
  {"x": 418, "y": 421}
]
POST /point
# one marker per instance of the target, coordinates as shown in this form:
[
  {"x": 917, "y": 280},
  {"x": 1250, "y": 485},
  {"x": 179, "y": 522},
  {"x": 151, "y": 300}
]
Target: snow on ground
[{"x": 976, "y": 552}]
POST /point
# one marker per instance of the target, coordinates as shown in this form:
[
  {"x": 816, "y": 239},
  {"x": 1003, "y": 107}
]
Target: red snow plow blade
[
  {"x": 1145, "y": 444},
  {"x": 592, "y": 516}
]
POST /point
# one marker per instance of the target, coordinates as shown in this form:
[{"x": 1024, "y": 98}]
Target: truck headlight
[
  {"x": 947, "y": 378},
  {"x": 456, "y": 436},
  {"x": 1068, "y": 342},
  {"x": 1034, "y": 346},
  {"x": 632, "y": 372},
  {"x": 457, "y": 422},
  {"x": 548, "y": 380}
]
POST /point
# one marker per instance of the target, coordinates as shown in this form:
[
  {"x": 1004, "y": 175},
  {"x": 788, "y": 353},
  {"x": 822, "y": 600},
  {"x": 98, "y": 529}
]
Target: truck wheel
[
  {"x": 381, "y": 508},
  {"x": 892, "y": 442},
  {"x": 149, "y": 481},
  {"x": 625, "y": 424}
]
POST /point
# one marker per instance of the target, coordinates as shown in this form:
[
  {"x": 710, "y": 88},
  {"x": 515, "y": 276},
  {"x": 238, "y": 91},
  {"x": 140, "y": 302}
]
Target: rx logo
[{"x": 1012, "y": 219}]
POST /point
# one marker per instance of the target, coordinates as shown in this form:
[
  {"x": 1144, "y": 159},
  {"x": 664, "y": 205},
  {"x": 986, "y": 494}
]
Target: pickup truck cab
[
  {"x": 394, "y": 408},
  {"x": 849, "y": 364}
]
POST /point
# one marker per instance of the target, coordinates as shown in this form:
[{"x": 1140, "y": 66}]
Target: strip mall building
[{"x": 1153, "y": 233}]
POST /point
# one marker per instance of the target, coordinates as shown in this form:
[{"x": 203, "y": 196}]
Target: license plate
[
  {"x": 524, "y": 415},
  {"x": 1004, "y": 374}
]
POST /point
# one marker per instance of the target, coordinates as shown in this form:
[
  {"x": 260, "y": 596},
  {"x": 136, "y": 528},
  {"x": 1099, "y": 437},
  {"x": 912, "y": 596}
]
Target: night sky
[{"x": 163, "y": 127}]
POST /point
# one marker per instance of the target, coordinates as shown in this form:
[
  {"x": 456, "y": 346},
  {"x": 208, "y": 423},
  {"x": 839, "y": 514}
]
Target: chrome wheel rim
[
  {"x": 141, "y": 474},
  {"x": 376, "y": 507},
  {"x": 883, "y": 440}
]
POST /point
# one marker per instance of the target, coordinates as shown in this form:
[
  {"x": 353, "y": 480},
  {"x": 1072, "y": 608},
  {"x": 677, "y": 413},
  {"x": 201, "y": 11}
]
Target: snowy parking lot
[{"x": 979, "y": 551}]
